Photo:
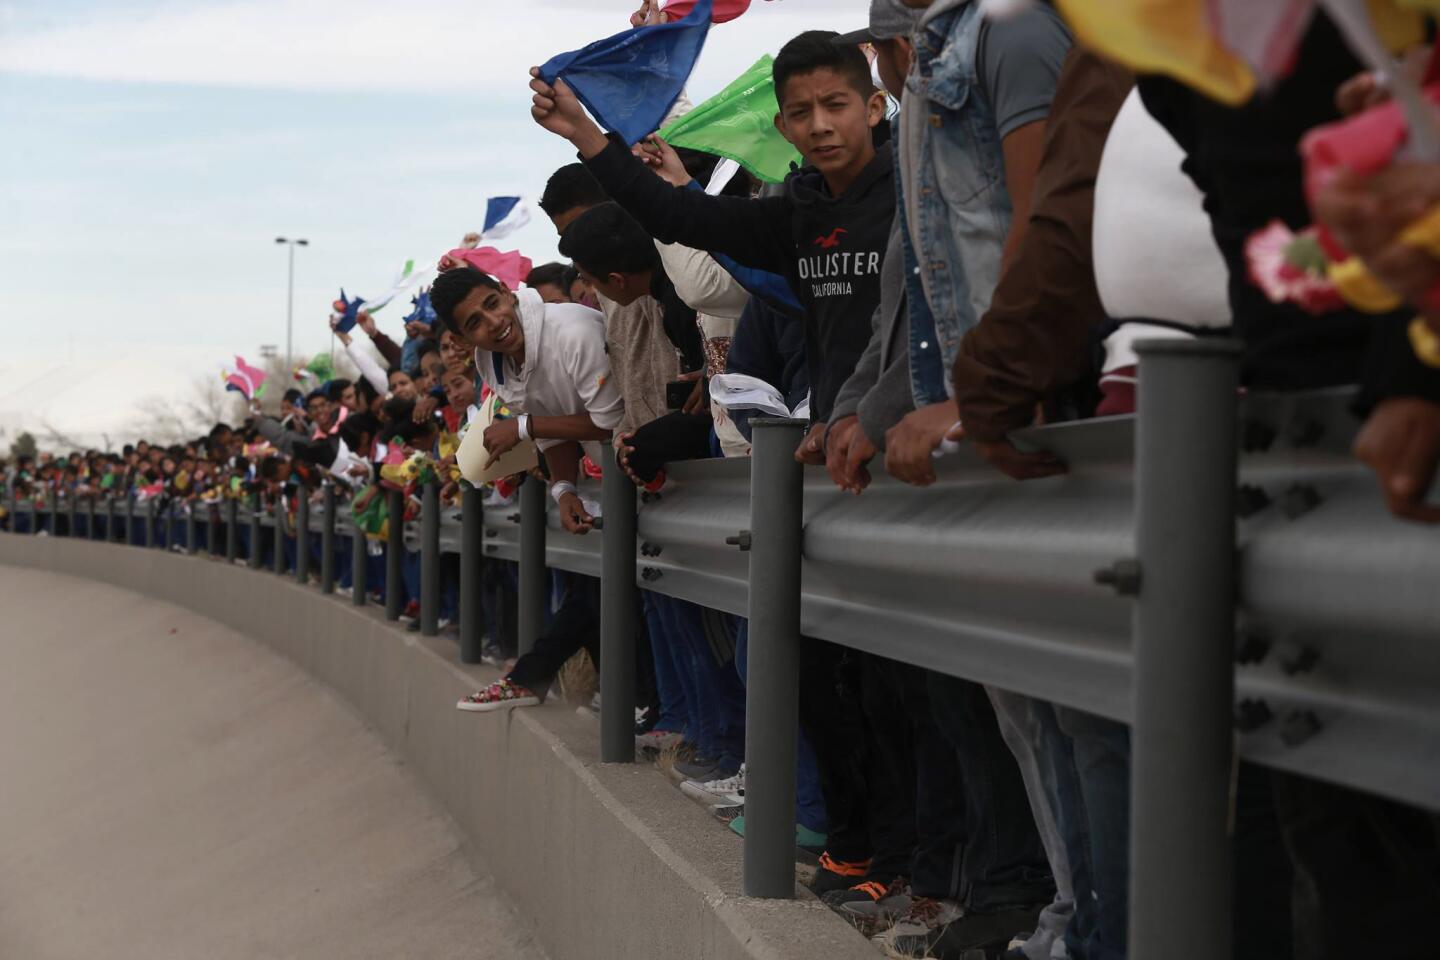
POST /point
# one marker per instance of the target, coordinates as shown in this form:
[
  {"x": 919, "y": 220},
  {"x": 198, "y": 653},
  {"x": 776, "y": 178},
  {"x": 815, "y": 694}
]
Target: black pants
[
  {"x": 1367, "y": 872},
  {"x": 576, "y": 625},
  {"x": 939, "y": 797},
  {"x": 851, "y": 714},
  {"x": 1003, "y": 862}
]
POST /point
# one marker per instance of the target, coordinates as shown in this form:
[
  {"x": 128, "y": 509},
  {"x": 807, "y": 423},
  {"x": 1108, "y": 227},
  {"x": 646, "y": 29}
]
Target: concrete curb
[{"x": 600, "y": 858}]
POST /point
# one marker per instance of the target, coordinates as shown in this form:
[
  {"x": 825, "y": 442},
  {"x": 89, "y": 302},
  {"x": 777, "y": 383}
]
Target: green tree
[{"x": 24, "y": 446}]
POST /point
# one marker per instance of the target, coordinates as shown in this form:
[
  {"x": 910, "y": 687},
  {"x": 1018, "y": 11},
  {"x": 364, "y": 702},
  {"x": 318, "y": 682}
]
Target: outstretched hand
[
  {"x": 556, "y": 109},
  {"x": 661, "y": 158}
]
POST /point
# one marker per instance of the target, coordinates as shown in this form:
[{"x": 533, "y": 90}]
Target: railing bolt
[
  {"x": 741, "y": 540},
  {"x": 1251, "y": 647},
  {"x": 647, "y": 497},
  {"x": 1251, "y": 715},
  {"x": 1298, "y": 658},
  {"x": 1299, "y": 500},
  {"x": 1256, "y": 436},
  {"x": 1299, "y": 726},
  {"x": 1250, "y": 500},
  {"x": 650, "y": 549},
  {"x": 650, "y": 574},
  {"x": 1123, "y": 575}
]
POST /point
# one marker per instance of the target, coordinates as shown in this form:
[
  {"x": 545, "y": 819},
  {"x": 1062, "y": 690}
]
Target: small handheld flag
[{"x": 503, "y": 216}]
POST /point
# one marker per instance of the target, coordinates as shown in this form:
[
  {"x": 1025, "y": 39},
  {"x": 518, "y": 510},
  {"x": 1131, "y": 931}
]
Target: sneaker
[
  {"x": 492, "y": 655},
  {"x": 704, "y": 769},
  {"x": 837, "y": 874},
  {"x": 498, "y": 696},
  {"x": 871, "y": 906},
  {"x": 986, "y": 934},
  {"x": 724, "y": 792},
  {"x": 657, "y": 741},
  {"x": 411, "y": 611},
  {"x": 811, "y": 841},
  {"x": 916, "y": 931}
]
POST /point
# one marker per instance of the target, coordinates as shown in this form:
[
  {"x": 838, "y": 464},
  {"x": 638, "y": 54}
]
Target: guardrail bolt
[
  {"x": 650, "y": 549},
  {"x": 650, "y": 574},
  {"x": 1256, "y": 436},
  {"x": 1304, "y": 433},
  {"x": 514, "y": 518},
  {"x": 1299, "y": 500},
  {"x": 492, "y": 547},
  {"x": 1123, "y": 575},
  {"x": 1299, "y": 726},
  {"x": 1298, "y": 658},
  {"x": 492, "y": 533},
  {"x": 1250, "y": 500},
  {"x": 1251, "y": 647},
  {"x": 1251, "y": 715},
  {"x": 741, "y": 540},
  {"x": 647, "y": 497}
]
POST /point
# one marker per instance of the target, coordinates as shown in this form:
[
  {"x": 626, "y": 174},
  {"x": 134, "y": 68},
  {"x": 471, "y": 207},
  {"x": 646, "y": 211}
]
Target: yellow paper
[{"x": 472, "y": 457}]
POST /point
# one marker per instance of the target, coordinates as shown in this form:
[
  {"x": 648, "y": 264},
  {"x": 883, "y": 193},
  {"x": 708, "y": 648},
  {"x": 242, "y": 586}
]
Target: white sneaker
[
  {"x": 656, "y": 741},
  {"x": 726, "y": 792}
]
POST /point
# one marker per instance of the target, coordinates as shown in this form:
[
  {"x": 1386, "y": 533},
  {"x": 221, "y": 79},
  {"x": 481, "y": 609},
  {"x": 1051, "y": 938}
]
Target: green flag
[
  {"x": 321, "y": 366},
  {"x": 739, "y": 123}
]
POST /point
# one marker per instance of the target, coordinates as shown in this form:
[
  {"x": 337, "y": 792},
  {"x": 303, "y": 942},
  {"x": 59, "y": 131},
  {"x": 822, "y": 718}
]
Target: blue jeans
[
  {"x": 410, "y": 573},
  {"x": 809, "y": 801},
  {"x": 1102, "y": 759},
  {"x": 717, "y": 707}
]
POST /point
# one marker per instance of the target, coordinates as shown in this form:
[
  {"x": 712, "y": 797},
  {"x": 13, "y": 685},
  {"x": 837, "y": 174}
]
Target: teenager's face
[
  {"x": 551, "y": 293},
  {"x": 317, "y": 408},
  {"x": 402, "y": 386},
  {"x": 459, "y": 390},
  {"x": 434, "y": 365},
  {"x": 623, "y": 289},
  {"x": 828, "y": 121},
  {"x": 349, "y": 400},
  {"x": 452, "y": 352},
  {"x": 488, "y": 321}
]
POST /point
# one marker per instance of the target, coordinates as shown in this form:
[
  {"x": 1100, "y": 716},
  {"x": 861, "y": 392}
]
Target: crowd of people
[{"x": 986, "y": 217}]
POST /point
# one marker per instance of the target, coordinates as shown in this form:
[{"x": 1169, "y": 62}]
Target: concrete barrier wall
[{"x": 605, "y": 860}]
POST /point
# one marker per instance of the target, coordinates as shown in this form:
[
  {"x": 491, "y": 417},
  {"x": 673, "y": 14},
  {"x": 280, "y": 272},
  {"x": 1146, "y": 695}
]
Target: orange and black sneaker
[
  {"x": 837, "y": 874},
  {"x": 870, "y": 905}
]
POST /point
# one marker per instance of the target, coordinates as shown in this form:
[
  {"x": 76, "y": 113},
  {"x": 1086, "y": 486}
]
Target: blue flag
[
  {"x": 629, "y": 81},
  {"x": 497, "y": 209}
]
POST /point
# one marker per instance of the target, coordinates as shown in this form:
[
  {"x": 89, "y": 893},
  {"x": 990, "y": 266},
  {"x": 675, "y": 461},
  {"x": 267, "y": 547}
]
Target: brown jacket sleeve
[
  {"x": 1034, "y": 339},
  {"x": 388, "y": 348}
]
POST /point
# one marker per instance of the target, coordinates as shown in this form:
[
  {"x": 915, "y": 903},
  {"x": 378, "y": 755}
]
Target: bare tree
[{"x": 176, "y": 419}]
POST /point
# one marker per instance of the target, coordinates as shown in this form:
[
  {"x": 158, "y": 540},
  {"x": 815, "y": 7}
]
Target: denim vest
[{"x": 955, "y": 210}]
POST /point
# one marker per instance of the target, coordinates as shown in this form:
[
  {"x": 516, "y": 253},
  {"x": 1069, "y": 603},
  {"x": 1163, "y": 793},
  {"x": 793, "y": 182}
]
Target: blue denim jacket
[{"x": 955, "y": 209}]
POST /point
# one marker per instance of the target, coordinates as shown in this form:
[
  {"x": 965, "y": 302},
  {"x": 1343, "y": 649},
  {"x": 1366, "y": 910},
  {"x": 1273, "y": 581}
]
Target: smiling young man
[
  {"x": 547, "y": 362},
  {"x": 826, "y": 234}
]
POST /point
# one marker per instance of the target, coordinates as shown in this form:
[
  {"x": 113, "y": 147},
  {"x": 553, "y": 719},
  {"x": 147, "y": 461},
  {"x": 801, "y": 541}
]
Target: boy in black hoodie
[{"x": 826, "y": 234}]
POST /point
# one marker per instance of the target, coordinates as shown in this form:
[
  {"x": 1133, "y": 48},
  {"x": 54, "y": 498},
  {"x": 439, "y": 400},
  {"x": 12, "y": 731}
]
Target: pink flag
[
  {"x": 510, "y": 268},
  {"x": 255, "y": 375},
  {"x": 722, "y": 12}
]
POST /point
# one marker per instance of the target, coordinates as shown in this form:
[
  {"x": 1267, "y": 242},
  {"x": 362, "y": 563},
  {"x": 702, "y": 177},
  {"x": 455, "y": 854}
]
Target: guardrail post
[
  {"x": 92, "y": 528},
  {"x": 112, "y": 523},
  {"x": 212, "y": 529},
  {"x": 359, "y": 562},
  {"x": 150, "y": 515},
  {"x": 73, "y": 502},
  {"x": 472, "y": 560},
  {"x": 55, "y": 513},
  {"x": 302, "y": 536},
  {"x": 430, "y": 560},
  {"x": 327, "y": 539},
  {"x": 257, "y": 539},
  {"x": 129, "y": 519},
  {"x": 773, "y": 671},
  {"x": 192, "y": 542},
  {"x": 34, "y": 514},
  {"x": 394, "y": 552},
  {"x": 532, "y": 564},
  {"x": 278, "y": 560},
  {"x": 232, "y": 530},
  {"x": 1184, "y": 639},
  {"x": 617, "y": 615}
]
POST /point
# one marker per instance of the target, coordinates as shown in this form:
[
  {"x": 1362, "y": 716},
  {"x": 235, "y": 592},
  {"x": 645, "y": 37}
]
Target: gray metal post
[
  {"x": 472, "y": 561},
  {"x": 327, "y": 539},
  {"x": 55, "y": 512},
  {"x": 773, "y": 671},
  {"x": 394, "y": 551},
  {"x": 112, "y": 523},
  {"x": 278, "y": 559},
  {"x": 212, "y": 529},
  {"x": 192, "y": 542},
  {"x": 1184, "y": 641},
  {"x": 302, "y": 536},
  {"x": 617, "y": 615},
  {"x": 34, "y": 514},
  {"x": 129, "y": 519},
  {"x": 232, "y": 529},
  {"x": 532, "y": 564},
  {"x": 430, "y": 560},
  {"x": 359, "y": 557},
  {"x": 257, "y": 539},
  {"x": 92, "y": 527},
  {"x": 72, "y": 501},
  {"x": 150, "y": 513}
]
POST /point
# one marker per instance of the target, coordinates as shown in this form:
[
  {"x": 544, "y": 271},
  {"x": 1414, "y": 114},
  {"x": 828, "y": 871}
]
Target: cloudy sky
[{"x": 153, "y": 150}]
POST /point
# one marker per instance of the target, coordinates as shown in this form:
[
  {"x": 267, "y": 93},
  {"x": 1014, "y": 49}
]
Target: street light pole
[{"x": 290, "y": 300}]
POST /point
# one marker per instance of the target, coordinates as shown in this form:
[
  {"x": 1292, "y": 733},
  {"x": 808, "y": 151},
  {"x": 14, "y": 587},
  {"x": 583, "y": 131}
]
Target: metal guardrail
[{"x": 1316, "y": 604}]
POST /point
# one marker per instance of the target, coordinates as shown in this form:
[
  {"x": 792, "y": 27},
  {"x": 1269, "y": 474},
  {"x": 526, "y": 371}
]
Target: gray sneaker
[
  {"x": 704, "y": 769},
  {"x": 917, "y": 929}
]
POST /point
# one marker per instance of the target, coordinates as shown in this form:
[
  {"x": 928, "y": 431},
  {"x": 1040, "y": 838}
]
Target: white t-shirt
[
  {"x": 566, "y": 370},
  {"x": 1155, "y": 255}
]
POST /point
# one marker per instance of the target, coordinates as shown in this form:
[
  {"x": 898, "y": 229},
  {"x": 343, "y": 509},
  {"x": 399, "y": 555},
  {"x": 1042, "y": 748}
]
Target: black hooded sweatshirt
[{"x": 828, "y": 248}]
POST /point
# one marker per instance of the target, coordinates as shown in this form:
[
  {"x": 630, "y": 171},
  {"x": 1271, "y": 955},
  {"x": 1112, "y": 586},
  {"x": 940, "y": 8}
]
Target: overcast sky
[{"x": 152, "y": 151}]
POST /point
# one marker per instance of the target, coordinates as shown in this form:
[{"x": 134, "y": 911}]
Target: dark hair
[
  {"x": 292, "y": 395},
  {"x": 814, "y": 50},
  {"x": 317, "y": 394},
  {"x": 551, "y": 273},
  {"x": 569, "y": 187},
  {"x": 366, "y": 391},
  {"x": 571, "y": 275},
  {"x": 269, "y": 467},
  {"x": 605, "y": 240},
  {"x": 336, "y": 387},
  {"x": 398, "y": 410},
  {"x": 451, "y": 287},
  {"x": 426, "y": 348},
  {"x": 355, "y": 426}
]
